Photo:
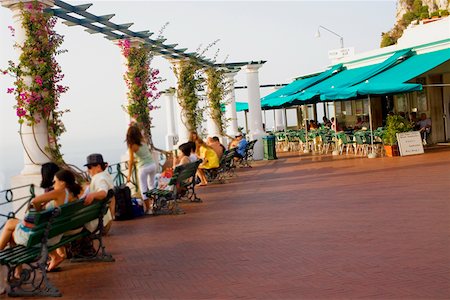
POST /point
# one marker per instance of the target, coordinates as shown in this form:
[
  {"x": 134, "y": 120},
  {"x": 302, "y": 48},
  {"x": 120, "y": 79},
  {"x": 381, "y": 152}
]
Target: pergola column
[
  {"x": 171, "y": 136},
  {"x": 254, "y": 109},
  {"x": 279, "y": 125},
  {"x": 134, "y": 43},
  {"x": 230, "y": 107},
  {"x": 180, "y": 119},
  {"x": 211, "y": 125},
  {"x": 35, "y": 139}
]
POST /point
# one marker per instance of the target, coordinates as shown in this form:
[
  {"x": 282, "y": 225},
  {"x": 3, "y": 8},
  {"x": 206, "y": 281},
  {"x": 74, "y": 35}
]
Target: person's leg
[
  {"x": 151, "y": 170},
  {"x": 7, "y": 232},
  {"x": 56, "y": 258},
  {"x": 144, "y": 175},
  {"x": 201, "y": 175}
]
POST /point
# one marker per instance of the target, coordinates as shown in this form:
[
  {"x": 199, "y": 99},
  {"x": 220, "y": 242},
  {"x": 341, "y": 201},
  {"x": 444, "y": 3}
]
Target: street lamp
[{"x": 340, "y": 37}]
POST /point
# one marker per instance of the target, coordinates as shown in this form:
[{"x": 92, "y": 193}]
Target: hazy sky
[{"x": 283, "y": 33}]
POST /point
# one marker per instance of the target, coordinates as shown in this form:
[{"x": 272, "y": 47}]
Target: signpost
[{"x": 410, "y": 143}]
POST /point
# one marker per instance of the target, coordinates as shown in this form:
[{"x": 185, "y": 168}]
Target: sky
[{"x": 281, "y": 33}]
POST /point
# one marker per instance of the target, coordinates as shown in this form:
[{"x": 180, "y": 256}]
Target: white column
[
  {"x": 34, "y": 138},
  {"x": 279, "y": 125},
  {"x": 254, "y": 108},
  {"x": 230, "y": 108},
  {"x": 180, "y": 118},
  {"x": 171, "y": 136},
  {"x": 211, "y": 125},
  {"x": 182, "y": 129}
]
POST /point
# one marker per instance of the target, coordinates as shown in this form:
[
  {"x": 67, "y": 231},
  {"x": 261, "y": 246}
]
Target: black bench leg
[
  {"x": 100, "y": 253},
  {"x": 33, "y": 281}
]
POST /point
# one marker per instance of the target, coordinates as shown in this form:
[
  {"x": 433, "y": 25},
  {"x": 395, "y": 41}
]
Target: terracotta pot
[{"x": 391, "y": 150}]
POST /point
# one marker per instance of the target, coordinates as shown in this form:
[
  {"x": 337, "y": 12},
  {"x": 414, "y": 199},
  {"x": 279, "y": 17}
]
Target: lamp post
[{"x": 341, "y": 39}]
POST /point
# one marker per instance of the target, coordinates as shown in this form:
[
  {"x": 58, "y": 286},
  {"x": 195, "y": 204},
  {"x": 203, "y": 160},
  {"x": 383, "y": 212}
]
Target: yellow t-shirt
[{"x": 210, "y": 158}]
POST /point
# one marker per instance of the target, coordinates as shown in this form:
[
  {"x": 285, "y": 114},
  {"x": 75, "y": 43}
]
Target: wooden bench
[
  {"x": 183, "y": 182},
  {"x": 33, "y": 257},
  {"x": 248, "y": 154},
  {"x": 226, "y": 167}
]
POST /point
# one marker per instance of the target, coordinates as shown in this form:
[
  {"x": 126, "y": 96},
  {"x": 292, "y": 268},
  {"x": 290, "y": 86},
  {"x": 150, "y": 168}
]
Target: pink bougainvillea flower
[
  {"x": 38, "y": 80},
  {"x": 20, "y": 112},
  {"x": 23, "y": 96},
  {"x": 10, "y": 90}
]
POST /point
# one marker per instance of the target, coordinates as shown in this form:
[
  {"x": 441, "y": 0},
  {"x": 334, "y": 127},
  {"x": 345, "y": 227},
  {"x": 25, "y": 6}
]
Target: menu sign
[{"x": 410, "y": 143}]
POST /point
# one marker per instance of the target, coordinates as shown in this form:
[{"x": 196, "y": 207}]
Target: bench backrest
[
  {"x": 184, "y": 172},
  {"x": 250, "y": 146},
  {"x": 227, "y": 157},
  {"x": 69, "y": 216}
]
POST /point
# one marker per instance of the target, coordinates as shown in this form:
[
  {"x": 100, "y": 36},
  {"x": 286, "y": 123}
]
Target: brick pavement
[{"x": 295, "y": 228}]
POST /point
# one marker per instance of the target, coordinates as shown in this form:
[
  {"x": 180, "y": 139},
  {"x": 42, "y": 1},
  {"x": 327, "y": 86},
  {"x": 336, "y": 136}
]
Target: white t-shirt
[{"x": 100, "y": 182}]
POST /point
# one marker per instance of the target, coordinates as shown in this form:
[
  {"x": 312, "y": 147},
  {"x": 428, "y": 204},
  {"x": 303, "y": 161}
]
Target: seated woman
[
  {"x": 183, "y": 155},
  {"x": 210, "y": 160},
  {"x": 17, "y": 232}
]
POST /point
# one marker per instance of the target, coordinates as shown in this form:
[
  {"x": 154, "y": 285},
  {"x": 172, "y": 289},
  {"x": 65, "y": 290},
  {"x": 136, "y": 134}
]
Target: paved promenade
[{"x": 295, "y": 228}]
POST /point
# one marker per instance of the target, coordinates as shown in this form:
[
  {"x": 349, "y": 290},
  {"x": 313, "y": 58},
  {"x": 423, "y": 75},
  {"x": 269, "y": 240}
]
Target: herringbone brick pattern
[{"x": 296, "y": 228}]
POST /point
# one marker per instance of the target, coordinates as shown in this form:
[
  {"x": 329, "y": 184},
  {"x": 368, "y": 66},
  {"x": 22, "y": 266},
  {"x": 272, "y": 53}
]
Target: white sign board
[
  {"x": 410, "y": 143},
  {"x": 341, "y": 52}
]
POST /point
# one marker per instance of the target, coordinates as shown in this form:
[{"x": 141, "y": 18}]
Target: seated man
[
  {"x": 424, "y": 126},
  {"x": 241, "y": 145},
  {"x": 215, "y": 144}
]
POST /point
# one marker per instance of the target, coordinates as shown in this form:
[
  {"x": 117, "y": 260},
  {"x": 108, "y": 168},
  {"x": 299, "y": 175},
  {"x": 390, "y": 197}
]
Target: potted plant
[{"x": 394, "y": 124}]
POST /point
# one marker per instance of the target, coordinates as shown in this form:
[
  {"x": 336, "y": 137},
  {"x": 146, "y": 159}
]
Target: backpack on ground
[{"x": 124, "y": 205}]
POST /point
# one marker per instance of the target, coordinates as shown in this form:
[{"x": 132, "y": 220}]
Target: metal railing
[{"x": 7, "y": 197}]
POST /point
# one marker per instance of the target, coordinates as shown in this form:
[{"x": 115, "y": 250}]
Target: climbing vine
[
  {"x": 215, "y": 92},
  {"x": 142, "y": 82},
  {"x": 37, "y": 75},
  {"x": 190, "y": 80}
]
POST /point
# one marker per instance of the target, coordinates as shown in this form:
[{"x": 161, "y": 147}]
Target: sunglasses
[{"x": 91, "y": 166}]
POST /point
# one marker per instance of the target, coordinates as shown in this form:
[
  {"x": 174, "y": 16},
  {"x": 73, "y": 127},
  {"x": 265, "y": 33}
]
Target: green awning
[
  {"x": 282, "y": 96},
  {"x": 241, "y": 106},
  {"x": 392, "y": 80},
  {"x": 347, "y": 78}
]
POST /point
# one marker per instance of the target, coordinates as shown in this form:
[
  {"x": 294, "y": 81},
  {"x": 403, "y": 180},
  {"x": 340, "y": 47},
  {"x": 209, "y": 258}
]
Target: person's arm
[
  {"x": 131, "y": 151},
  {"x": 101, "y": 190},
  {"x": 94, "y": 196},
  {"x": 39, "y": 201}
]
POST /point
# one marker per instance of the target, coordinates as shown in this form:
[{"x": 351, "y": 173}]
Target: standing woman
[{"x": 145, "y": 164}]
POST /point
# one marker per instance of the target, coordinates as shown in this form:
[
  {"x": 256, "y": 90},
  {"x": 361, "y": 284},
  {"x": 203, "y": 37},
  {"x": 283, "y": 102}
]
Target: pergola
[{"x": 78, "y": 15}]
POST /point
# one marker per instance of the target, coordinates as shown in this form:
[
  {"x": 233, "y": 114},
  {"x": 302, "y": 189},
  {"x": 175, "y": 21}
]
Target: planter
[{"x": 391, "y": 150}]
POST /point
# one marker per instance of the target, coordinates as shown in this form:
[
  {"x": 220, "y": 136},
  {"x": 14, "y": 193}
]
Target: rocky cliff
[
  {"x": 403, "y": 6},
  {"x": 413, "y": 11}
]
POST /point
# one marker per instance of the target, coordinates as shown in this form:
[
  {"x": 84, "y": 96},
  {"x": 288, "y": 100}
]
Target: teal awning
[
  {"x": 282, "y": 96},
  {"x": 241, "y": 106},
  {"x": 392, "y": 80},
  {"x": 348, "y": 78}
]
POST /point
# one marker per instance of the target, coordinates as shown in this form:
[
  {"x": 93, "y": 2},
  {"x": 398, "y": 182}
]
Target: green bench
[
  {"x": 33, "y": 257},
  {"x": 226, "y": 167},
  {"x": 183, "y": 182},
  {"x": 248, "y": 154}
]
